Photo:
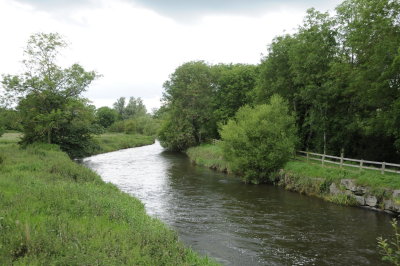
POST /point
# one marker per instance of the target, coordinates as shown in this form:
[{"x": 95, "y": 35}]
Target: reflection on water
[{"x": 240, "y": 224}]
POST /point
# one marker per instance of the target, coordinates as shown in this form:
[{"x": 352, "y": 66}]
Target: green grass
[
  {"x": 10, "y": 137},
  {"x": 116, "y": 141},
  {"x": 210, "y": 156},
  {"x": 56, "y": 212}
]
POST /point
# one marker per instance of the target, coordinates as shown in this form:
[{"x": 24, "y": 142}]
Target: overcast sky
[{"x": 136, "y": 44}]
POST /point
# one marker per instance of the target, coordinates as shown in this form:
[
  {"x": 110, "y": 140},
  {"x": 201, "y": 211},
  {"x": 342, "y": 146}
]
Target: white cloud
[{"x": 135, "y": 49}]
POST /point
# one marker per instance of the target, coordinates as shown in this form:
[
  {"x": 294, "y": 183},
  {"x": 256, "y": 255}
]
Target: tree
[
  {"x": 135, "y": 108},
  {"x": 233, "y": 87},
  {"x": 106, "y": 116},
  {"x": 48, "y": 96},
  {"x": 188, "y": 96},
  {"x": 259, "y": 140},
  {"x": 119, "y": 107}
]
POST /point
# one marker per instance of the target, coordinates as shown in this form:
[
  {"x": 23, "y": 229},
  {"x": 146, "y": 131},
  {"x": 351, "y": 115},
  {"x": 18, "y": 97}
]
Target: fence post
[
  {"x": 308, "y": 156},
  {"x": 341, "y": 159},
  {"x": 323, "y": 160},
  {"x": 383, "y": 168},
  {"x": 361, "y": 164}
]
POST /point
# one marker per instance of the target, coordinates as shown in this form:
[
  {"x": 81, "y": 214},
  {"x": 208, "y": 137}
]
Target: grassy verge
[
  {"x": 303, "y": 172},
  {"x": 210, "y": 156},
  {"x": 116, "y": 141},
  {"x": 55, "y": 212}
]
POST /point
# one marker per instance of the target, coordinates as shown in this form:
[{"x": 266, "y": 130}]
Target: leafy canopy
[{"x": 49, "y": 97}]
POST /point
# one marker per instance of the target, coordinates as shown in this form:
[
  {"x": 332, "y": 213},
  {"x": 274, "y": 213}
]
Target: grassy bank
[
  {"x": 116, "y": 141},
  {"x": 305, "y": 177},
  {"x": 55, "y": 212}
]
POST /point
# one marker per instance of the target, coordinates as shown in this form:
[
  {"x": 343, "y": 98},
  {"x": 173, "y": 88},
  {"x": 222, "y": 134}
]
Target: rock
[
  {"x": 396, "y": 193},
  {"x": 360, "y": 191},
  {"x": 371, "y": 201},
  {"x": 360, "y": 200},
  {"x": 333, "y": 189},
  {"x": 349, "y": 184},
  {"x": 391, "y": 206}
]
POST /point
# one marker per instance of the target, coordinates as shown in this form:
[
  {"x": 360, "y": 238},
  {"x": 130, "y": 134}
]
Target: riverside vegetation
[{"x": 54, "y": 211}]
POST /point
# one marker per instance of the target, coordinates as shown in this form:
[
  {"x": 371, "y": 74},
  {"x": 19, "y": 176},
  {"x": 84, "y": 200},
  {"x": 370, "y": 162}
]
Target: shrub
[
  {"x": 117, "y": 127},
  {"x": 390, "y": 251},
  {"x": 259, "y": 140},
  {"x": 2, "y": 131}
]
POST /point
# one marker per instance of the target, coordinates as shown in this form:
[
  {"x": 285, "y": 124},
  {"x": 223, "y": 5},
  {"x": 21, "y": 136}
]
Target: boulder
[
  {"x": 390, "y": 205},
  {"x": 360, "y": 191},
  {"x": 396, "y": 193},
  {"x": 349, "y": 184},
  {"x": 371, "y": 201},
  {"x": 360, "y": 200}
]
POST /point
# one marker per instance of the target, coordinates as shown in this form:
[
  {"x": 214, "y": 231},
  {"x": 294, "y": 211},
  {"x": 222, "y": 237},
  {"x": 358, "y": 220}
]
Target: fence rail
[{"x": 361, "y": 164}]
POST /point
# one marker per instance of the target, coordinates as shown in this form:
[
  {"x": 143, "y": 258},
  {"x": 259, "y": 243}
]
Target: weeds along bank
[
  {"x": 56, "y": 212},
  {"x": 343, "y": 186}
]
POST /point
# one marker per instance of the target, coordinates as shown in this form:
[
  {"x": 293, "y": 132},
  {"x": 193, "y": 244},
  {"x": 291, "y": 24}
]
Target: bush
[
  {"x": 117, "y": 127},
  {"x": 176, "y": 135},
  {"x": 2, "y": 131},
  {"x": 390, "y": 251},
  {"x": 259, "y": 140}
]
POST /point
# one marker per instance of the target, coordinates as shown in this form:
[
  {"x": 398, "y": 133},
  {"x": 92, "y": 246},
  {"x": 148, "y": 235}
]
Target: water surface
[{"x": 240, "y": 224}]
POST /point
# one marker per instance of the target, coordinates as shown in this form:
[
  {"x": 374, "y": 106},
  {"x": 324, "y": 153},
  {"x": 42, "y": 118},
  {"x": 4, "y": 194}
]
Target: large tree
[
  {"x": 188, "y": 96},
  {"x": 49, "y": 96}
]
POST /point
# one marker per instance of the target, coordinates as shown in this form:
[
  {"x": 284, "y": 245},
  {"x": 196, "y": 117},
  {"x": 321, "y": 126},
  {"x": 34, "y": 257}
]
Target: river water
[{"x": 238, "y": 224}]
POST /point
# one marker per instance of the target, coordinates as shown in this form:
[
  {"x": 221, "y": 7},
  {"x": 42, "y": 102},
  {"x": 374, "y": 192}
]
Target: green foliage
[
  {"x": 259, "y": 140},
  {"x": 71, "y": 125},
  {"x": 106, "y": 116},
  {"x": 188, "y": 96},
  {"x": 390, "y": 251},
  {"x": 144, "y": 125},
  {"x": 340, "y": 76},
  {"x": 10, "y": 119},
  {"x": 56, "y": 212},
  {"x": 177, "y": 134},
  {"x": 233, "y": 87},
  {"x": 199, "y": 97},
  {"x": 134, "y": 109},
  {"x": 48, "y": 97},
  {"x": 2, "y": 130}
]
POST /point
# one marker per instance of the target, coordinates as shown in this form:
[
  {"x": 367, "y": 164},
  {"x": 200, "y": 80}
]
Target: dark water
[{"x": 240, "y": 224}]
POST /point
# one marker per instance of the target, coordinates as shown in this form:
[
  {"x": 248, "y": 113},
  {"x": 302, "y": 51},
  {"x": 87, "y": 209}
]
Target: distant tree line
[{"x": 339, "y": 75}]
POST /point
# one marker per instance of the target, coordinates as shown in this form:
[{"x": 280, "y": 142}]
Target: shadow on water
[{"x": 240, "y": 224}]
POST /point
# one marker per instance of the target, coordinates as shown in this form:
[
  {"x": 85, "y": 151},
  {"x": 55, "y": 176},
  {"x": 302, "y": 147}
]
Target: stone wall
[
  {"x": 366, "y": 198},
  {"x": 355, "y": 195}
]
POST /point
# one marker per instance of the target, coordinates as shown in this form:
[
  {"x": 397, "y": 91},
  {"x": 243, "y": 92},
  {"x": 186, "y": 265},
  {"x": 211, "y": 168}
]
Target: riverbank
[
  {"x": 343, "y": 186},
  {"x": 109, "y": 142},
  {"x": 54, "y": 211}
]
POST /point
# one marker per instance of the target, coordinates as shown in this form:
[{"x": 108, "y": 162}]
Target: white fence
[{"x": 361, "y": 164}]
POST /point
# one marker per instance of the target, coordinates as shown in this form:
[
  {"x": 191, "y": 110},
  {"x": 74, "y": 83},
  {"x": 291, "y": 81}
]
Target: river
[{"x": 237, "y": 224}]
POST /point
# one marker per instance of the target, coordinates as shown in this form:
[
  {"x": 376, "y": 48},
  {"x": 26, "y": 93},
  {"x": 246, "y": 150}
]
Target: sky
[{"x": 136, "y": 44}]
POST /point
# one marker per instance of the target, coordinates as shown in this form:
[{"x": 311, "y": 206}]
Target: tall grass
[
  {"x": 210, "y": 156},
  {"x": 55, "y": 212}
]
